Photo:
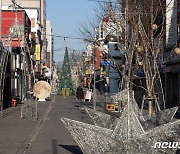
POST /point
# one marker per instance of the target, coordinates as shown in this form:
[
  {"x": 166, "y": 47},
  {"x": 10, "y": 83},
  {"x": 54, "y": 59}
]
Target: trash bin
[
  {"x": 63, "y": 91},
  {"x": 67, "y": 91}
]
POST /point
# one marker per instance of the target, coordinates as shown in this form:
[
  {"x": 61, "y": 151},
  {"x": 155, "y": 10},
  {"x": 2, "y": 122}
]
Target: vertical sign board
[
  {"x": 27, "y": 26},
  {"x": 38, "y": 55},
  {"x": 171, "y": 23}
]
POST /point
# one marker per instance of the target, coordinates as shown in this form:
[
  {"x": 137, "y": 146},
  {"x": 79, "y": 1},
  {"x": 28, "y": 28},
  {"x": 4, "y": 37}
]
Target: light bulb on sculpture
[
  {"x": 111, "y": 38},
  {"x": 139, "y": 49},
  {"x": 177, "y": 51},
  {"x": 154, "y": 27},
  {"x": 140, "y": 63}
]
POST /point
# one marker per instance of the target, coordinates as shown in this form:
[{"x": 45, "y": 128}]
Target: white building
[
  {"x": 49, "y": 40},
  {"x": 108, "y": 32}
]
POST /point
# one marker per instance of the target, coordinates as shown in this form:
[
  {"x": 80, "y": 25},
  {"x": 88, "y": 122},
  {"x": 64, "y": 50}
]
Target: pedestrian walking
[{"x": 80, "y": 95}]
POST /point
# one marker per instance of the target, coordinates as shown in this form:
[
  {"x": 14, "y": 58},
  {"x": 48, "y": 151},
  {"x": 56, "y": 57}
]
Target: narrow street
[
  {"x": 48, "y": 135},
  {"x": 53, "y": 137},
  {"x": 121, "y": 58}
]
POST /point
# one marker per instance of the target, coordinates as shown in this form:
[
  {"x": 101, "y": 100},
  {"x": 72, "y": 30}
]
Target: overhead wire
[
  {"x": 61, "y": 49},
  {"x": 102, "y": 1},
  {"x": 72, "y": 12},
  {"x": 65, "y": 37}
]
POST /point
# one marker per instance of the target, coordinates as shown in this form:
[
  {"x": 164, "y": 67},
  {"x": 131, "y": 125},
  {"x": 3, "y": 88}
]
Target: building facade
[
  {"x": 16, "y": 29},
  {"x": 49, "y": 38},
  {"x": 172, "y": 58},
  {"x": 23, "y": 23},
  {"x": 40, "y": 6}
]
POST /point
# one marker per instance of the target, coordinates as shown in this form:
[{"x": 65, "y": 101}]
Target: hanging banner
[{"x": 38, "y": 54}]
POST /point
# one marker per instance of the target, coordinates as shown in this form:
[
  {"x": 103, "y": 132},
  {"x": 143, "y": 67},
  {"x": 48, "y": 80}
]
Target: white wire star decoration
[{"x": 131, "y": 133}]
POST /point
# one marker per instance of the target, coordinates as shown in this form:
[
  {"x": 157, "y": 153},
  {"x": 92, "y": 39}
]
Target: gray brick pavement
[{"x": 45, "y": 136}]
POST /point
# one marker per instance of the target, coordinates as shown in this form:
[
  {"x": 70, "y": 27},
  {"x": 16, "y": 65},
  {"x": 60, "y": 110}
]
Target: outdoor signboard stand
[{"x": 42, "y": 90}]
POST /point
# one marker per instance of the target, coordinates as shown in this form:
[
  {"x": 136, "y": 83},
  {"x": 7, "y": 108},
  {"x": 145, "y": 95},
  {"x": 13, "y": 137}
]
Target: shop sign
[
  {"x": 108, "y": 62},
  {"x": 38, "y": 54}
]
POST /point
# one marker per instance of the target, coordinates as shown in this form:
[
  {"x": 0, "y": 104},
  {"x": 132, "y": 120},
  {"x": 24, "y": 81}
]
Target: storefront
[{"x": 172, "y": 84}]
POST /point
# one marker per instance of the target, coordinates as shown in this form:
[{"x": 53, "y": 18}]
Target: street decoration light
[
  {"x": 139, "y": 49},
  {"x": 111, "y": 38},
  {"x": 177, "y": 51},
  {"x": 105, "y": 19},
  {"x": 154, "y": 27}
]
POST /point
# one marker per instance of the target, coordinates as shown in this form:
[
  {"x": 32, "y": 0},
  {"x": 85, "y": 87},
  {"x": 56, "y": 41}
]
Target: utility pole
[{"x": 94, "y": 90}]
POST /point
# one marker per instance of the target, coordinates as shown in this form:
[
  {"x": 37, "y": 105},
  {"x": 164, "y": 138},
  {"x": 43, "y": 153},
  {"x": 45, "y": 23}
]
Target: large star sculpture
[
  {"x": 97, "y": 140},
  {"x": 110, "y": 122},
  {"x": 125, "y": 135},
  {"x": 94, "y": 139}
]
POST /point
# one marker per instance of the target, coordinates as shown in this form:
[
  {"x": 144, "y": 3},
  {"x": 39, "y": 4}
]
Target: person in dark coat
[{"x": 80, "y": 94}]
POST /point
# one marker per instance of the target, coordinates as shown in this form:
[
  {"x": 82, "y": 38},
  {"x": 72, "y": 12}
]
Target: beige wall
[
  {"x": 35, "y": 4},
  {"x": 23, "y": 3}
]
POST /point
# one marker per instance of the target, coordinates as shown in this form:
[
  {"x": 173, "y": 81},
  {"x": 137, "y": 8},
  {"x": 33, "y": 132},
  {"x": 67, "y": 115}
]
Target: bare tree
[
  {"x": 148, "y": 17},
  {"x": 74, "y": 57},
  {"x": 151, "y": 18},
  {"x": 140, "y": 30}
]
